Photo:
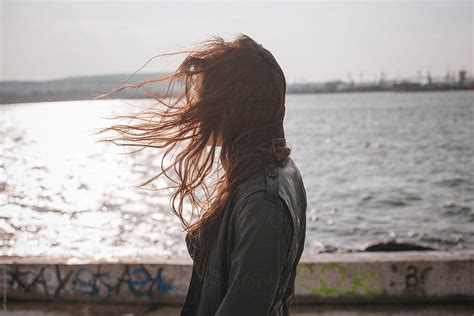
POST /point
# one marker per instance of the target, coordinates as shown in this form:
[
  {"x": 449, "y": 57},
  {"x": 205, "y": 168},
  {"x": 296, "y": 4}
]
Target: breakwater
[{"x": 382, "y": 277}]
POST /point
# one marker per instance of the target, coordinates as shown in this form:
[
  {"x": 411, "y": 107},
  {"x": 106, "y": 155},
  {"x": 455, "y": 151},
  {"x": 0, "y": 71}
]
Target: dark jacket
[{"x": 251, "y": 267}]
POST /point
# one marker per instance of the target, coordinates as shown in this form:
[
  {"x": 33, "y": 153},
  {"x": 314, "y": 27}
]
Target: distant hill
[
  {"x": 75, "y": 88},
  {"x": 86, "y": 88}
]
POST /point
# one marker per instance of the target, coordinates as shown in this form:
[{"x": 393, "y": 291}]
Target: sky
[{"x": 312, "y": 41}]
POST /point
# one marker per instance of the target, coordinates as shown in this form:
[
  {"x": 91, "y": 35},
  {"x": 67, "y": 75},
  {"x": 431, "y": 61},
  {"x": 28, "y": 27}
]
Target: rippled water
[{"x": 376, "y": 166}]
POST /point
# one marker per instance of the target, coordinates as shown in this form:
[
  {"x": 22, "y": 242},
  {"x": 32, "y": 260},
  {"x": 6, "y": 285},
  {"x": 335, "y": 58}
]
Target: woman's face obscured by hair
[{"x": 243, "y": 92}]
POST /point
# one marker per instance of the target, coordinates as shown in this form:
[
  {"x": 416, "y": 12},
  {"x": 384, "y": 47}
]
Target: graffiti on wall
[
  {"x": 143, "y": 282},
  {"x": 333, "y": 279},
  {"x": 91, "y": 281},
  {"x": 415, "y": 276},
  {"x": 336, "y": 279}
]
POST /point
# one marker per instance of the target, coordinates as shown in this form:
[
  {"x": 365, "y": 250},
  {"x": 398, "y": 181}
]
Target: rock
[{"x": 392, "y": 245}]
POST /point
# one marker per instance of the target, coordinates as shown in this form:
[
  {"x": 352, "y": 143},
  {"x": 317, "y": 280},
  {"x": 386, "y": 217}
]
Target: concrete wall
[{"x": 327, "y": 278}]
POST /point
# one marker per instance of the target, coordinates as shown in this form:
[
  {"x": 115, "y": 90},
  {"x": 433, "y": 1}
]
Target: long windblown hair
[{"x": 227, "y": 93}]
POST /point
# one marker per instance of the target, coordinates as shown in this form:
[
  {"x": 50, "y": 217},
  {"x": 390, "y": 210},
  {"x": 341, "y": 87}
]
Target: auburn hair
[{"x": 227, "y": 91}]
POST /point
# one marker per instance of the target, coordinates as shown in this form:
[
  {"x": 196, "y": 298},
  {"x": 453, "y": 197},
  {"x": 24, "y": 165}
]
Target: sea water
[{"x": 376, "y": 166}]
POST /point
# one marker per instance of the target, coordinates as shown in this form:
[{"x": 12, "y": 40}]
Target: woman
[{"x": 245, "y": 230}]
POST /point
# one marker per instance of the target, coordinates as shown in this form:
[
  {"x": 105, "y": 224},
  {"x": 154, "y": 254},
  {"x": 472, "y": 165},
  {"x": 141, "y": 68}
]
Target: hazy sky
[{"x": 313, "y": 41}]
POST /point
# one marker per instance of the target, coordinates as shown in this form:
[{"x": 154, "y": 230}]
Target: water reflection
[
  {"x": 376, "y": 167},
  {"x": 63, "y": 194}
]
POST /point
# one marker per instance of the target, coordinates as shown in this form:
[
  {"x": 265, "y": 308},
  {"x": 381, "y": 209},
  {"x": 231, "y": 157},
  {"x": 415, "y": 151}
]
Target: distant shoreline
[{"x": 86, "y": 88}]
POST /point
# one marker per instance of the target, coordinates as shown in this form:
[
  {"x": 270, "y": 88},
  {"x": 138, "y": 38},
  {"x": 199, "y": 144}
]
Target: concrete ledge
[
  {"x": 382, "y": 277},
  {"x": 81, "y": 309}
]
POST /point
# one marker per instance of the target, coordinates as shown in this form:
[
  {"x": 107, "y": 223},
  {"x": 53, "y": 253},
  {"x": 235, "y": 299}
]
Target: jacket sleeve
[{"x": 263, "y": 232}]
